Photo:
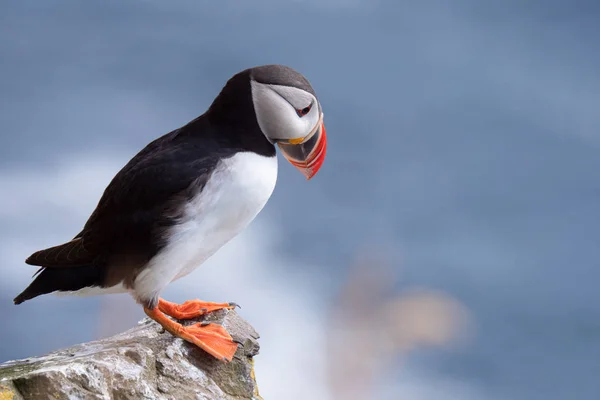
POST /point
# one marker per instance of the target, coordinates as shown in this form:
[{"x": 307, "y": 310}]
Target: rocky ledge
[{"x": 142, "y": 363}]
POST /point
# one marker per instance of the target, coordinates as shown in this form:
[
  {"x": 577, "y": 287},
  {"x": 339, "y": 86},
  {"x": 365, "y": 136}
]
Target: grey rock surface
[{"x": 142, "y": 363}]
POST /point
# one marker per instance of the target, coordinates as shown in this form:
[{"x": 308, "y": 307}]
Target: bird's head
[{"x": 289, "y": 115}]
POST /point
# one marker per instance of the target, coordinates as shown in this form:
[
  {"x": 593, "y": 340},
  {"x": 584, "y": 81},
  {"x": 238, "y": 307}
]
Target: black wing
[{"x": 133, "y": 205}]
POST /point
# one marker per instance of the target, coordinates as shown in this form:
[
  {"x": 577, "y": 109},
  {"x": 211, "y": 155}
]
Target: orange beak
[{"x": 309, "y": 155}]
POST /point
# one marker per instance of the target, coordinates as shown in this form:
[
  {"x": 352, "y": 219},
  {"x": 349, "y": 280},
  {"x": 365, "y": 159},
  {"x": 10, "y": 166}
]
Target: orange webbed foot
[
  {"x": 210, "y": 337},
  {"x": 191, "y": 308}
]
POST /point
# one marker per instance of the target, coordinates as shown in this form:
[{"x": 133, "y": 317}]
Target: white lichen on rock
[{"x": 142, "y": 363}]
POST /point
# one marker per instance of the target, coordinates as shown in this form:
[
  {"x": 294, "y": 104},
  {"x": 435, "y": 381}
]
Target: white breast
[{"x": 235, "y": 193}]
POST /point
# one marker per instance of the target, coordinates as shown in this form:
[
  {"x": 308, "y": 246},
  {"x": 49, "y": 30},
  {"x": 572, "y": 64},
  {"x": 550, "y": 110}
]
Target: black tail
[{"x": 61, "y": 279}]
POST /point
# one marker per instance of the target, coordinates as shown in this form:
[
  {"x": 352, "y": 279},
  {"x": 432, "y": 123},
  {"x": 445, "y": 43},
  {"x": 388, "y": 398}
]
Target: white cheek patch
[
  {"x": 298, "y": 98},
  {"x": 276, "y": 114}
]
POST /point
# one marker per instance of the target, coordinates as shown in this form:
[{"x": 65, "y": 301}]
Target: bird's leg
[
  {"x": 191, "y": 308},
  {"x": 212, "y": 338}
]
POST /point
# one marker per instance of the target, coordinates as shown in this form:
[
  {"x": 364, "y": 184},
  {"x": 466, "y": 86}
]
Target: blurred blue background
[{"x": 464, "y": 143}]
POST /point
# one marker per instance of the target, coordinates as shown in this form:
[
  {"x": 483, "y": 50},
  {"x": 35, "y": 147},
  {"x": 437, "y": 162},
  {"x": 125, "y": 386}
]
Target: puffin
[{"x": 184, "y": 196}]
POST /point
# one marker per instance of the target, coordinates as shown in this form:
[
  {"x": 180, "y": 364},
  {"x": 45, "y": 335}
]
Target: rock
[{"x": 142, "y": 363}]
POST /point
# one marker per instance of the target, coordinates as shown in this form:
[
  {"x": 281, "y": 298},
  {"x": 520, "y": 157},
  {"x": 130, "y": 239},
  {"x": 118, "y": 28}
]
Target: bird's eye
[{"x": 304, "y": 111}]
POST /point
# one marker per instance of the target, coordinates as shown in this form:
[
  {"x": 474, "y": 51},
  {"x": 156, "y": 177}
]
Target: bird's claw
[
  {"x": 238, "y": 341},
  {"x": 234, "y": 305}
]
